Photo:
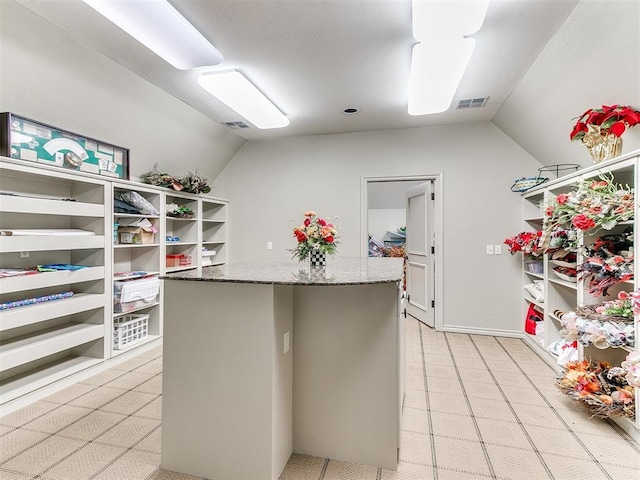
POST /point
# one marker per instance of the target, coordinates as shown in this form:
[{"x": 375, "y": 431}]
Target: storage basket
[
  {"x": 129, "y": 330},
  {"x": 533, "y": 266}
]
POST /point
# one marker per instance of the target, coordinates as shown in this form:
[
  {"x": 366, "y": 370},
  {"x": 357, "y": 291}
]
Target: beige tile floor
[{"x": 476, "y": 407}]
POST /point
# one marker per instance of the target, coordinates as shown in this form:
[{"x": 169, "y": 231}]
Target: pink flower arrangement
[{"x": 315, "y": 234}]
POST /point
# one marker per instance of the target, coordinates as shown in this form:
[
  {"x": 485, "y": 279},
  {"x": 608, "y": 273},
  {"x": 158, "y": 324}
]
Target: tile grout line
[
  {"x": 619, "y": 430},
  {"x": 557, "y": 414},
  {"x": 124, "y": 372},
  {"x": 426, "y": 395},
  {"x": 324, "y": 469},
  {"x": 473, "y": 418},
  {"x": 128, "y": 449},
  {"x": 506, "y": 399},
  {"x": 50, "y": 435},
  {"x": 89, "y": 442}
]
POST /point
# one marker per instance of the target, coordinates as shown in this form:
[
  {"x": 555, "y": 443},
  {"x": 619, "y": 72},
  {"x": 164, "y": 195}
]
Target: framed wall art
[{"x": 33, "y": 141}]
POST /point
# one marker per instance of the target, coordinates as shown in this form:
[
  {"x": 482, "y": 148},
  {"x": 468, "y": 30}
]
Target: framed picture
[{"x": 29, "y": 140}]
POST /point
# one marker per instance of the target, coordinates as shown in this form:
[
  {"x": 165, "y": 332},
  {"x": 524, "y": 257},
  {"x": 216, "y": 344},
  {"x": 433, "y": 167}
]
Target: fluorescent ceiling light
[
  {"x": 436, "y": 71},
  {"x": 440, "y": 59},
  {"x": 161, "y": 28},
  {"x": 438, "y": 18},
  {"x": 240, "y": 95}
]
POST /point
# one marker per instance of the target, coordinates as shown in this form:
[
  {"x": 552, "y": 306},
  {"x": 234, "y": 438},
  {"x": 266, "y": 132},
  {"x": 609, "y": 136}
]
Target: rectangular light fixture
[
  {"x": 241, "y": 96},
  {"x": 434, "y": 19},
  {"x": 438, "y": 62},
  {"x": 162, "y": 29},
  {"x": 436, "y": 71}
]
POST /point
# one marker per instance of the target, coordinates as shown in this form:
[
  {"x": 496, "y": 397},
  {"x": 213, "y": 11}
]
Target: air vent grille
[
  {"x": 238, "y": 124},
  {"x": 472, "y": 102}
]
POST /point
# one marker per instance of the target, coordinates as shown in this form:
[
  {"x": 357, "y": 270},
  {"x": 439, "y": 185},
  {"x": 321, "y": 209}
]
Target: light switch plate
[{"x": 489, "y": 249}]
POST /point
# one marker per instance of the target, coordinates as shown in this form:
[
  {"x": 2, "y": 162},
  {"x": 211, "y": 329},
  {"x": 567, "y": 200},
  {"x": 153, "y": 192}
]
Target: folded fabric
[{"x": 123, "y": 207}]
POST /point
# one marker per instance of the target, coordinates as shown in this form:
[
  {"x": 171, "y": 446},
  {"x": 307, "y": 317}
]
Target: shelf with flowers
[
  {"x": 601, "y": 129},
  {"x": 588, "y": 228}
]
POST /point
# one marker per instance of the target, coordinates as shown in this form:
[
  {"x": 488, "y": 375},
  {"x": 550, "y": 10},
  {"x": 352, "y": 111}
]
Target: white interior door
[{"x": 420, "y": 253}]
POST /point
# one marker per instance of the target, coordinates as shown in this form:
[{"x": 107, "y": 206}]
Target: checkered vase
[{"x": 318, "y": 259}]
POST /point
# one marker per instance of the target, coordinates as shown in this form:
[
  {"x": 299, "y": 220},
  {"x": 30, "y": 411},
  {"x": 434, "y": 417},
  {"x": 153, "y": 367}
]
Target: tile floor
[{"x": 476, "y": 407}]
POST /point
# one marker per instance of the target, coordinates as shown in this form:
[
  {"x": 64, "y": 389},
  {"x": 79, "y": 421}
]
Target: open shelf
[
  {"x": 21, "y": 350},
  {"x": 25, "y": 383}
]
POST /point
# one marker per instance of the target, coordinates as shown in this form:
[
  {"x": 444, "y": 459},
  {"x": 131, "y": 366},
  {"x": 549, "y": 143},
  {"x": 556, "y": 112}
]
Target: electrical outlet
[
  {"x": 286, "y": 341},
  {"x": 489, "y": 249},
  {"x": 497, "y": 249},
  {"x": 24, "y": 254},
  {"x": 269, "y": 246}
]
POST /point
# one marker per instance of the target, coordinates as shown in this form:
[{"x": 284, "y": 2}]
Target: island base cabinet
[
  {"x": 345, "y": 375},
  {"x": 227, "y": 383},
  {"x": 239, "y": 399}
]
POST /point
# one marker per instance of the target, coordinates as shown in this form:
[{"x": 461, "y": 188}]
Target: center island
[{"x": 264, "y": 359}]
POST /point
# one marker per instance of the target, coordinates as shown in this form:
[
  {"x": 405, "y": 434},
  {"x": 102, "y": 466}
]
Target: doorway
[{"x": 389, "y": 206}]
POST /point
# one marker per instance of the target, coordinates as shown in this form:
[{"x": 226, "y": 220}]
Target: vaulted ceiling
[{"x": 314, "y": 58}]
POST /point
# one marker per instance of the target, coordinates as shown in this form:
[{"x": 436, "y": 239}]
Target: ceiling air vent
[
  {"x": 238, "y": 124},
  {"x": 472, "y": 102}
]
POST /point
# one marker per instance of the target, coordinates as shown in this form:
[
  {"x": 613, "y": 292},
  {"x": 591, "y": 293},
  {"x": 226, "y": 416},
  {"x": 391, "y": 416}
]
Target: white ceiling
[{"x": 313, "y": 58}]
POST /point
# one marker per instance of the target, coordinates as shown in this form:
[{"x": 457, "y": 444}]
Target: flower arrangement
[
  {"x": 601, "y": 389},
  {"x": 562, "y": 241},
  {"x": 608, "y": 261},
  {"x": 191, "y": 183},
  {"x": 315, "y": 234},
  {"x": 525, "y": 242},
  {"x": 632, "y": 368},
  {"x": 613, "y": 119},
  {"x": 179, "y": 211},
  {"x": 591, "y": 205}
]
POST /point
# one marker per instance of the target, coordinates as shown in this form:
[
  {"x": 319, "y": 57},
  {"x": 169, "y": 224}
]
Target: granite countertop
[{"x": 339, "y": 271}]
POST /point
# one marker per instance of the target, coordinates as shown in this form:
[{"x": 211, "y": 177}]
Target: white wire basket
[{"x": 129, "y": 330}]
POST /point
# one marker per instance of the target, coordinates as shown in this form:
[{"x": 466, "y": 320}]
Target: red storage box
[{"x": 179, "y": 260}]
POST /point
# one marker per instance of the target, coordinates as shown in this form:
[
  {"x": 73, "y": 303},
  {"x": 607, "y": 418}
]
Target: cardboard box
[{"x": 132, "y": 235}]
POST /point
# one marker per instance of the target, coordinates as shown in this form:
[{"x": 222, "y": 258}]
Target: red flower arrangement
[
  {"x": 525, "y": 242},
  {"x": 613, "y": 119},
  {"x": 315, "y": 234}
]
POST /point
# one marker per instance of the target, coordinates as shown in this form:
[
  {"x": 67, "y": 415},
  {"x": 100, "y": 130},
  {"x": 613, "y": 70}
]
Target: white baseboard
[{"x": 482, "y": 331}]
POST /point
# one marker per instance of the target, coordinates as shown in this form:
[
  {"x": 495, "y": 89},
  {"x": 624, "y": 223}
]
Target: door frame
[{"x": 437, "y": 226}]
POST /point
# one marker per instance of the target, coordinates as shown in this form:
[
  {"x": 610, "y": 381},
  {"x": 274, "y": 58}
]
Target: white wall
[
  {"x": 593, "y": 60},
  {"x": 48, "y": 76},
  {"x": 383, "y": 219},
  {"x": 271, "y": 183}
]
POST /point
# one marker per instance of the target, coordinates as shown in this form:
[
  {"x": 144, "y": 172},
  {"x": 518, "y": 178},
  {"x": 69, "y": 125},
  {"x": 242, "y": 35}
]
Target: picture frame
[{"x": 29, "y": 140}]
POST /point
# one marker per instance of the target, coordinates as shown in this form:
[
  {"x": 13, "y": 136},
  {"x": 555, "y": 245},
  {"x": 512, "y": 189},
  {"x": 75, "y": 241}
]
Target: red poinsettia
[
  {"x": 526, "y": 242},
  {"x": 609, "y": 119}
]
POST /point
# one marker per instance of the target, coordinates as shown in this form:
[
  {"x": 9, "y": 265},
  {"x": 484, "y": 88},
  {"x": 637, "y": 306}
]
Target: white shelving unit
[
  {"x": 137, "y": 257},
  {"x": 214, "y": 230},
  {"x": 185, "y": 229},
  {"x": 206, "y": 230},
  {"x": 565, "y": 296},
  {"x": 45, "y": 342}
]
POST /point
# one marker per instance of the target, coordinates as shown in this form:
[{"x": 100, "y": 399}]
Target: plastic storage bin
[
  {"x": 534, "y": 266},
  {"x": 132, "y": 294},
  {"x": 129, "y": 330}
]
